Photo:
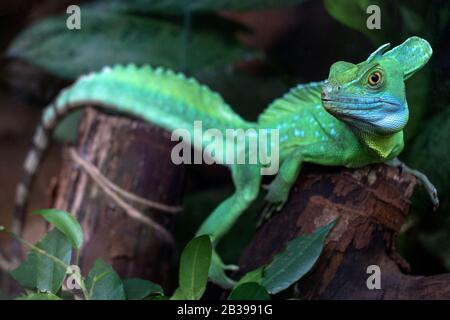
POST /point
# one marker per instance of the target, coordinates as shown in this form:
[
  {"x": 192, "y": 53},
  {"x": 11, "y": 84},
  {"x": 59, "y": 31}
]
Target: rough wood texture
[
  {"x": 136, "y": 157},
  {"x": 371, "y": 204}
]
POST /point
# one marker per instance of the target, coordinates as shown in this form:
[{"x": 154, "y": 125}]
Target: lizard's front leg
[
  {"x": 278, "y": 190},
  {"x": 423, "y": 179}
]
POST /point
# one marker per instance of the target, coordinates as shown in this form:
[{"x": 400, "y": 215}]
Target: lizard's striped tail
[
  {"x": 162, "y": 97},
  {"x": 41, "y": 141}
]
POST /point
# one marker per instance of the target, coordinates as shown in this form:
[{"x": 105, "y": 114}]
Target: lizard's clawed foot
[
  {"x": 432, "y": 192},
  {"x": 230, "y": 267},
  {"x": 429, "y": 187},
  {"x": 276, "y": 196},
  {"x": 217, "y": 272},
  {"x": 422, "y": 178},
  {"x": 275, "y": 201}
]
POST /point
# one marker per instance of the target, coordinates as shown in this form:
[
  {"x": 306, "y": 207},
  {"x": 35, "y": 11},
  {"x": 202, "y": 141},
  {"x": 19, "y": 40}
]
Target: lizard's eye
[{"x": 375, "y": 79}]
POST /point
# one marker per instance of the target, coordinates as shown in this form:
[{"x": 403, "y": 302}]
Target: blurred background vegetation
[{"x": 251, "y": 51}]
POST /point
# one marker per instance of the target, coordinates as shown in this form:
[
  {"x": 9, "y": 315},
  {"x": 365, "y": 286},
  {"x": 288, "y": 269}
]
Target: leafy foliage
[
  {"x": 104, "y": 283},
  {"x": 39, "y": 296},
  {"x": 194, "y": 266},
  {"x": 249, "y": 291},
  {"x": 252, "y": 276},
  {"x": 290, "y": 265},
  {"x": 114, "y": 38},
  {"x": 48, "y": 263},
  {"x": 66, "y": 223},
  {"x": 42, "y": 272},
  {"x": 177, "y": 7},
  {"x": 353, "y": 15},
  {"x": 287, "y": 267},
  {"x": 138, "y": 289}
]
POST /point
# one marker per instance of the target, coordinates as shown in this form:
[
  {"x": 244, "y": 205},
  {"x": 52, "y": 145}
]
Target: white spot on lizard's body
[
  {"x": 49, "y": 118},
  {"x": 31, "y": 162},
  {"x": 21, "y": 194},
  {"x": 40, "y": 138}
]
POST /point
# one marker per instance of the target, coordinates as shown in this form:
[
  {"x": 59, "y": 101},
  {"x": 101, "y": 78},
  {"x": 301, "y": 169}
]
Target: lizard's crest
[
  {"x": 370, "y": 96},
  {"x": 379, "y": 52}
]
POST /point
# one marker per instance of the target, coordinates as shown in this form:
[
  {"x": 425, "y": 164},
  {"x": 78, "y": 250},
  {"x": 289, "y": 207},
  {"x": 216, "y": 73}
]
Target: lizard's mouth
[
  {"x": 357, "y": 103},
  {"x": 383, "y": 114},
  {"x": 352, "y": 105}
]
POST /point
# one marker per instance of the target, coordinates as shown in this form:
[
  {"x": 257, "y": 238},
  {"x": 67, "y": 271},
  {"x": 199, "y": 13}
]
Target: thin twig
[{"x": 99, "y": 179}]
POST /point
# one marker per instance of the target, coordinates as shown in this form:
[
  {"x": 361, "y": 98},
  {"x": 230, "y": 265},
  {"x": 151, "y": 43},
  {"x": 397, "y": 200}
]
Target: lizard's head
[{"x": 370, "y": 96}]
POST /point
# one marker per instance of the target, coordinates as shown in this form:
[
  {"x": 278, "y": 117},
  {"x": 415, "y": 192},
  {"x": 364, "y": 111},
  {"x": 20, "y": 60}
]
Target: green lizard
[{"x": 354, "y": 118}]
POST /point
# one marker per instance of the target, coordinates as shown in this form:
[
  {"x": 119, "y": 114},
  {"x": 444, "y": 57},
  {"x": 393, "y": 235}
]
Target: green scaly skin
[{"x": 341, "y": 121}]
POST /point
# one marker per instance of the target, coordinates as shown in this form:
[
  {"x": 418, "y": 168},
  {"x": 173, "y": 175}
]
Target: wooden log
[
  {"x": 136, "y": 157},
  {"x": 371, "y": 204}
]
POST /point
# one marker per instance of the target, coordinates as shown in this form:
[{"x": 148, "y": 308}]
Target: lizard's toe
[
  {"x": 230, "y": 267},
  {"x": 435, "y": 200}
]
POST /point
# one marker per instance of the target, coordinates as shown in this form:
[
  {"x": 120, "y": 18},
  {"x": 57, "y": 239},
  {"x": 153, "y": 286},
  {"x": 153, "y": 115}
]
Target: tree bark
[
  {"x": 371, "y": 205},
  {"x": 136, "y": 157}
]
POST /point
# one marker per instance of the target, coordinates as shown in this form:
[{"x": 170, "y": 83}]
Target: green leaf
[
  {"x": 178, "y": 295},
  {"x": 39, "y": 296},
  {"x": 64, "y": 222},
  {"x": 295, "y": 261},
  {"x": 158, "y": 297},
  {"x": 103, "y": 283},
  {"x": 107, "y": 38},
  {"x": 39, "y": 271},
  {"x": 138, "y": 289},
  {"x": 249, "y": 291},
  {"x": 353, "y": 15},
  {"x": 252, "y": 276},
  {"x": 178, "y": 7},
  {"x": 194, "y": 266}
]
